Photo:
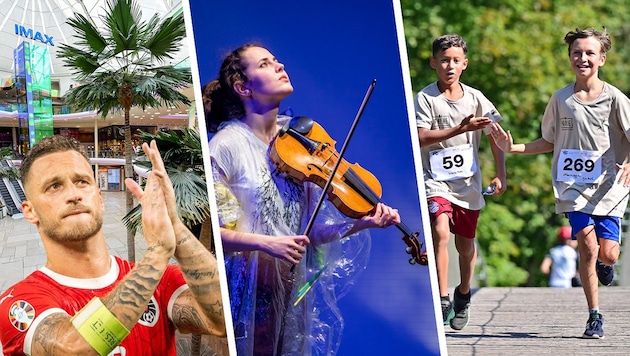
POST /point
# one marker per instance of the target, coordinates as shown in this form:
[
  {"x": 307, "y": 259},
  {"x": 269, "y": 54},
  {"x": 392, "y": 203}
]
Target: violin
[{"x": 304, "y": 151}]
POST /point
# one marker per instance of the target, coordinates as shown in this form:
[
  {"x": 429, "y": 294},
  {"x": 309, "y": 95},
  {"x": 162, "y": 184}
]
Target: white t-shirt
[
  {"x": 451, "y": 167},
  {"x": 589, "y": 138},
  {"x": 563, "y": 266}
]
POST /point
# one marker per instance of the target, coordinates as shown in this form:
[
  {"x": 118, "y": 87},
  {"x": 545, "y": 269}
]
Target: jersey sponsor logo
[
  {"x": 151, "y": 314},
  {"x": 21, "y": 315}
]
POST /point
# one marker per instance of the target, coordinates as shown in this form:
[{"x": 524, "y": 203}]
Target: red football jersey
[{"x": 24, "y": 305}]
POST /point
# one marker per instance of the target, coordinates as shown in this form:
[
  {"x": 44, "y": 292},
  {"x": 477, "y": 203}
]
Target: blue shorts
[{"x": 606, "y": 227}]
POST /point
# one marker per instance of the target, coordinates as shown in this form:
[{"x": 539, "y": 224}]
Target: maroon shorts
[{"x": 463, "y": 221}]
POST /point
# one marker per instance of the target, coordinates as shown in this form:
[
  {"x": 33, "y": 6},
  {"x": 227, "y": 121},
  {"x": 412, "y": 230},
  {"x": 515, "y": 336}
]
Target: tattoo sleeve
[
  {"x": 130, "y": 298},
  {"x": 56, "y": 335},
  {"x": 201, "y": 310}
]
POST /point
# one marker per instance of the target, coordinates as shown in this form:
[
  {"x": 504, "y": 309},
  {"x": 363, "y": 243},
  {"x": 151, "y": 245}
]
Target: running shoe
[
  {"x": 605, "y": 273},
  {"x": 594, "y": 327},
  {"x": 461, "y": 307},
  {"x": 447, "y": 310}
]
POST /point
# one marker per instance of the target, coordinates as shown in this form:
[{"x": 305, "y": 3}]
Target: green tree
[
  {"x": 122, "y": 65},
  {"x": 517, "y": 58}
]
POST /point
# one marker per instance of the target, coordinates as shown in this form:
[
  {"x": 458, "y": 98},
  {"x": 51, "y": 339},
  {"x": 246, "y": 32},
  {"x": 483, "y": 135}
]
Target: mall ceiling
[{"x": 48, "y": 18}]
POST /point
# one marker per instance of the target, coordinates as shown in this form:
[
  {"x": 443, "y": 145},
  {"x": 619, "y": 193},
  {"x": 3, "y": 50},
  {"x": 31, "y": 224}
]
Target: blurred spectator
[{"x": 560, "y": 264}]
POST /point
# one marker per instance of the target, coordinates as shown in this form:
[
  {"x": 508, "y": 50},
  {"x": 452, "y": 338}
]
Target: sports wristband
[{"x": 99, "y": 327}]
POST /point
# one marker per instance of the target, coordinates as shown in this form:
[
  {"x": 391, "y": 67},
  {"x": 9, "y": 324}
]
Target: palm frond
[
  {"x": 82, "y": 61},
  {"x": 166, "y": 38},
  {"x": 133, "y": 219},
  {"x": 10, "y": 172},
  {"x": 183, "y": 159},
  {"x": 123, "y": 19},
  {"x": 87, "y": 35},
  {"x": 179, "y": 150},
  {"x": 192, "y": 195},
  {"x": 99, "y": 94}
]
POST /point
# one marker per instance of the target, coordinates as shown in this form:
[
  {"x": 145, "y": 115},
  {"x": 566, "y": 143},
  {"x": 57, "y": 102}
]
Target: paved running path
[{"x": 534, "y": 321}]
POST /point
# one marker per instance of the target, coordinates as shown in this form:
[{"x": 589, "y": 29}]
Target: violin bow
[
  {"x": 311, "y": 221},
  {"x": 370, "y": 89}
]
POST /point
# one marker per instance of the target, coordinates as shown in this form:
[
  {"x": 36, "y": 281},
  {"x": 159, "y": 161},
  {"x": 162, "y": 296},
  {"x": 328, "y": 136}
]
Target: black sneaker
[
  {"x": 605, "y": 273},
  {"x": 594, "y": 327},
  {"x": 461, "y": 307},
  {"x": 447, "y": 310}
]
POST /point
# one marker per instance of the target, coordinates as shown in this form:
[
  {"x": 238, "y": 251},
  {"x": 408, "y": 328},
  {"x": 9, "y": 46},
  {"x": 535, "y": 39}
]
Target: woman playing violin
[{"x": 263, "y": 213}]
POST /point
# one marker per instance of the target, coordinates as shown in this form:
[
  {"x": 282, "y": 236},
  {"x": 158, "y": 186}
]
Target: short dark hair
[
  {"x": 48, "y": 145},
  {"x": 445, "y": 42},
  {"x": 602, "y": 37}
]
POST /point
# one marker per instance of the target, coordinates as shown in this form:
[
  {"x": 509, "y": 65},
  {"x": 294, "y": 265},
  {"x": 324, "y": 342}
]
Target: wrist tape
[{"x": 99, "y": 327}]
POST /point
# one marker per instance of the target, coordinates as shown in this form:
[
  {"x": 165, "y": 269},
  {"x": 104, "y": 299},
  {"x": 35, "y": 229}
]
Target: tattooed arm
[{"x": 199, "y": 309}]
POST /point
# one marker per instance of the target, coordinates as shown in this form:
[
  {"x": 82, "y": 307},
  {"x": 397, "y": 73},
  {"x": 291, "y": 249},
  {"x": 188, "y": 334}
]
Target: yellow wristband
[{"x": 99, "y": 327}]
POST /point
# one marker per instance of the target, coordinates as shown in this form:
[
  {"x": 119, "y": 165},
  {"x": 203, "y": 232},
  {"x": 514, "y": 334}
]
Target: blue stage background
[{"x": 332, "y": 50}]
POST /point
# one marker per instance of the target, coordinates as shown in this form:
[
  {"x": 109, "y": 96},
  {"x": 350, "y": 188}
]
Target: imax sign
[{"x": 34, "y": 35}]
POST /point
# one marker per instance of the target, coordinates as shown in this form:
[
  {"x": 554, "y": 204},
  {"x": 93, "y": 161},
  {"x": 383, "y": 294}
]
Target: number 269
[{"x": 578, "y": 165}]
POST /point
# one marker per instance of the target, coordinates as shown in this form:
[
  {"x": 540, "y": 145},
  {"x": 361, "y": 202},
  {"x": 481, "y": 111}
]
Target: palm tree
[{"x": 117, "y": 68}]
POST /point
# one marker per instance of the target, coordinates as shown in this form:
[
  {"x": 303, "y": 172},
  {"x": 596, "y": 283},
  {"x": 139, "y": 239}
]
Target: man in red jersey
[{"x": 85, "y": 301}]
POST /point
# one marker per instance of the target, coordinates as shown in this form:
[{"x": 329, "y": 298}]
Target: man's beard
[{"x": 80, "y": 232}]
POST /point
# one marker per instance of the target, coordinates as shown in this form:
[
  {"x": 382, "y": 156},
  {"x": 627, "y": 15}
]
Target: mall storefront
[{"x": 108, "y": 160}]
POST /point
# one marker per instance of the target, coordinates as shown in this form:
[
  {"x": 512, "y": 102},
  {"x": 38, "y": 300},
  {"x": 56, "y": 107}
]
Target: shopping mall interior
[{"x": 42, "y": 25}]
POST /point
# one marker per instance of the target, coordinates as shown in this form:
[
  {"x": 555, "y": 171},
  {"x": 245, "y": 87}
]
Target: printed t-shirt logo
[
  {"x": 566, "y": 123},
  {"x": 21, "y": 315},
  {"x": 442, "y": 121}
]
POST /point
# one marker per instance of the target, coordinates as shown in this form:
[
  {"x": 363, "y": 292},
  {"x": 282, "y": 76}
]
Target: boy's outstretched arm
[
  {"x": 504, "y": 141},
  {"x": 500, "y": 181},
  {"x": 429, "y": 137}
]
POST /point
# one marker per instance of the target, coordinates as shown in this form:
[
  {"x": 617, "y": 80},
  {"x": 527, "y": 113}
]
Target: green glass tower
[{"x": 32, "y": 73}]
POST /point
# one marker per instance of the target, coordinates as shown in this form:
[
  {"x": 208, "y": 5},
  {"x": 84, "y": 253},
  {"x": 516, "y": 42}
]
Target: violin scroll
[{"x": 414, "y": 248}]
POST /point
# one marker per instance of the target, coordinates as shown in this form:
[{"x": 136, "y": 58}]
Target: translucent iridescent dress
[{"x": 252, "y": 196}]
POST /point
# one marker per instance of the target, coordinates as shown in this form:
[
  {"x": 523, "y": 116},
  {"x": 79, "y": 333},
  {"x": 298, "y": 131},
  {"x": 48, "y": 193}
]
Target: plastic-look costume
[{"x": 253, "y": 196}]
